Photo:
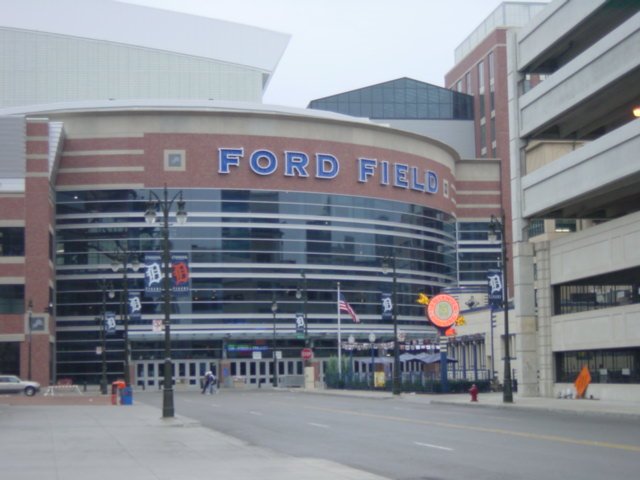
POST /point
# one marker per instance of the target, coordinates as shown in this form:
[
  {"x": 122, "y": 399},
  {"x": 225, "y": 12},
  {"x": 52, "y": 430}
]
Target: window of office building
[
  {"x": 492, "y": 126},
  {"x": 481, "y": 77},
  {"x": 11, "y": 241},
  {"x": 491, "y": 67},
  {"x": 11, "y": 298}
]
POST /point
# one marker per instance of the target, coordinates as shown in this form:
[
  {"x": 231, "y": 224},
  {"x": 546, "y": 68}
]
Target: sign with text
[{"x": 178, "y": 271}]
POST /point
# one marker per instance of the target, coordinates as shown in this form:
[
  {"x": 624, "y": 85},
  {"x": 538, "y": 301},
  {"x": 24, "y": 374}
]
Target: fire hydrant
[{"x": 473, "y": 391}]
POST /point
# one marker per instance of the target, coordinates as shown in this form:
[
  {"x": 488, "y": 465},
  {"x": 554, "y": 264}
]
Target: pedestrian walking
[{"x": 208, "y": 380}]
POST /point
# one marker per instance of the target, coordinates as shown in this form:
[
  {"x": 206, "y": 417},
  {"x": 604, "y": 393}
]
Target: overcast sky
[{"x": 341, "y": 45}]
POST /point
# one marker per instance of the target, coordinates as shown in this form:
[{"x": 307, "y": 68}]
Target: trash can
[
  {"x": 115, "y": 391},
  {"x": 126, "y": 396}
]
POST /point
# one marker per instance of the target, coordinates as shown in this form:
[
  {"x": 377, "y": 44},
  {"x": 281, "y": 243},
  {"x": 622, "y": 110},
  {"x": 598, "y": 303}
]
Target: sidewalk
[
  {"x": 589, "y": 407},
  {"x": 101, "y": 442}
]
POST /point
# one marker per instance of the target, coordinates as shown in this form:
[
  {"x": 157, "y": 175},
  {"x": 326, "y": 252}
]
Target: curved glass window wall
[{"x": 247, "y": 248}]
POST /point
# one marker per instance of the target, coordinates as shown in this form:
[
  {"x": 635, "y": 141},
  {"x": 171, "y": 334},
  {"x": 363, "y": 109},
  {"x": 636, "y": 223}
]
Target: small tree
[{"x": 332, "y": 374}]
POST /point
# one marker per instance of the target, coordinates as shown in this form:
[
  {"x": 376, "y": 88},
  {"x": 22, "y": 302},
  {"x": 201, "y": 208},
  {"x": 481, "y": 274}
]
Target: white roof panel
[{"x": 124, "y": 23}]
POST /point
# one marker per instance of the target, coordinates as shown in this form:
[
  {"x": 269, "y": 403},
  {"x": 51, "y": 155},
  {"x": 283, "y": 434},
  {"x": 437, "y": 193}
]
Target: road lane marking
[
  {"x": 420, "y": 444},
  {"x": 252, "y": 412},
  {"x": 499, "y": 431},
  {"x": 319, "y": 425}
]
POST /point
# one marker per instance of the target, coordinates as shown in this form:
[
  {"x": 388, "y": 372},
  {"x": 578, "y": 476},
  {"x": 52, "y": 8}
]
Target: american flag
[{"x": 345, "y": 307}]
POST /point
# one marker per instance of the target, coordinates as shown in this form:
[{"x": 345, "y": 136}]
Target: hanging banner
[
  {"x": 180, "y": 275},
  {"x": 109, "y": 323},
  {"x": 494, "y": 283},
  {"x": 135, "y": 306},
  {"x": 153, "y": 274},
  {"x": 387, "y": 307},
  {"x": 179, "y": 271},
  {"x": 300, "y": 325}
]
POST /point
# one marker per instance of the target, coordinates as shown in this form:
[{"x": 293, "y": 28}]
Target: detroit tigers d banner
[
  {"x": 494, "y": 284},
  {"x": 179, "y": 271}
]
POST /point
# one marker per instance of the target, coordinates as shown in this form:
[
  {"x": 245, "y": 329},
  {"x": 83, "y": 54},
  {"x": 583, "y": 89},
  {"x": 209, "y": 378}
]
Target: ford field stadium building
[{"x": 284, "y": 207}]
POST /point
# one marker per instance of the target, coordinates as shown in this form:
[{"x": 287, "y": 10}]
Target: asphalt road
[{"x": 406, "y": 440}]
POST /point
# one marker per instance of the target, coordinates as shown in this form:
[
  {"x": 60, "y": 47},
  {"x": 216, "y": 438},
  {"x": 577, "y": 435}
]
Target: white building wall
[
  {"x": 39, "y": 68},
  {"x": 600, "y": 249}
]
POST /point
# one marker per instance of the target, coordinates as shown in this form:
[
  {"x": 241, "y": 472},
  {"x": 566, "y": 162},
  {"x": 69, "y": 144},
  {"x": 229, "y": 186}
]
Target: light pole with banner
[
  {"x": 123, "y": 259},
  {"x": 30, "y": 320},
  {"x": 390, "y": 262},
  {"x": 303, "y": 294},
  {"x": 496, "y": 228},
  {"x": 164, "y": 204},
  {"x": 103, "y": 334},
  {"x": 274, "y": 310},
  {"x": 372, "y": 339}
]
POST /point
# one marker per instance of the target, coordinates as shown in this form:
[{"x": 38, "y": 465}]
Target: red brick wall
[
  {"x": 39, "y": 273},
  {"x": 202, "y": 166}
]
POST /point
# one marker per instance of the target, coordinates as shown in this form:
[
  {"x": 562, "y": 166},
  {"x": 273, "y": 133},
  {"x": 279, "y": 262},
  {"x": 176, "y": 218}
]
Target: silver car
[{"x": 13, "y": 384}]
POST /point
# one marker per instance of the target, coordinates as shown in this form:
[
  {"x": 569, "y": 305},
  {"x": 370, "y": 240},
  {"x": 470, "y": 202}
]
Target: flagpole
[{"x": 339, "y": 336}]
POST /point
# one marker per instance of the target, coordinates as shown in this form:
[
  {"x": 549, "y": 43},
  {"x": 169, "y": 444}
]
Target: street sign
[{"x": 306, "y": 354}]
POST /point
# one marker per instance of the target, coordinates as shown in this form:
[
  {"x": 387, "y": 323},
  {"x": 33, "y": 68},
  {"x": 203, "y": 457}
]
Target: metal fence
[{"x": 458, "y": 381}]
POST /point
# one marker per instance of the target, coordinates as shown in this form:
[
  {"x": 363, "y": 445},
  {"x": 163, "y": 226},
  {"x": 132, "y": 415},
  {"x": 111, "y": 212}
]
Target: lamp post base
[{"x": 168, "y": 410}]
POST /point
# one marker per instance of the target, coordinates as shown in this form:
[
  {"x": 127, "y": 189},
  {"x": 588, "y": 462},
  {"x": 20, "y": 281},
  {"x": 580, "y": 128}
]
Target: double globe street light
[{"x": 164, "y": 205}]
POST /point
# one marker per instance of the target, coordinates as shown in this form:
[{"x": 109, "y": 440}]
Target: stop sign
[{"x": 306, "y": 354}]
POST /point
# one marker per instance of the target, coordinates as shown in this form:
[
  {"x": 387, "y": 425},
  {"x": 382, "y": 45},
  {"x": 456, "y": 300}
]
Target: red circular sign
[
  {"x": 306, "y": 354},
  {"x": 443, "y": 310}
]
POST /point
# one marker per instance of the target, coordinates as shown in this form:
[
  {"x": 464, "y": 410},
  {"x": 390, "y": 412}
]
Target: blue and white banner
[
  {"x": 300, "y": 324},
  {"x": 495, "y": 286},
  {"x": 154, "y": 276},
  {"x": 135, "y": 306},
  {"x": 109, "y": 323},
  {"x": 387, "y": 307}
]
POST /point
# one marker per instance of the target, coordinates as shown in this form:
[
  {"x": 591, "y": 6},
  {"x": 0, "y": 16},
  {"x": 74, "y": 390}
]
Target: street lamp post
[
  {"x": 120, "y": 260},
  {"x": 164, "y": 205},
  {"x": 103, "y": 340},
  {"x": 372, "y": 339},
  {"x": 394, "y": 311},
  {"x": 30, "y": 314},
  {"x": 274, "y": 310},
  {"x": 497, "y": 227},
  {"x": 303, "y": 294}
]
